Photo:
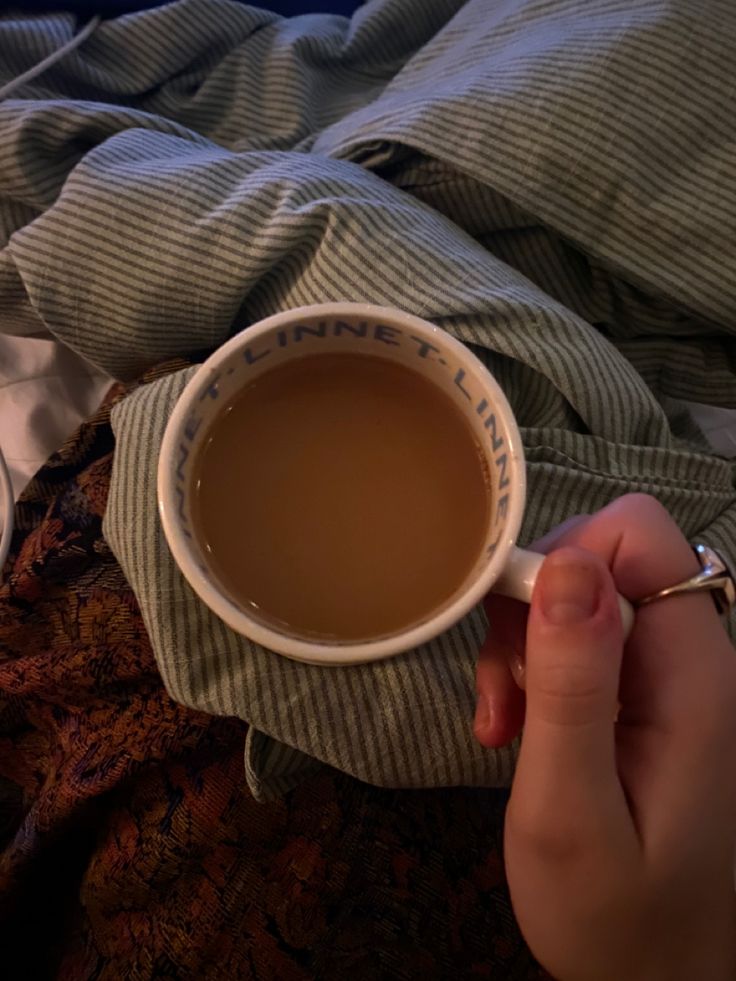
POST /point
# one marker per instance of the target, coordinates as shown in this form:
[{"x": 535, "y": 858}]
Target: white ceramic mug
[{"x": 352, "y": 328}]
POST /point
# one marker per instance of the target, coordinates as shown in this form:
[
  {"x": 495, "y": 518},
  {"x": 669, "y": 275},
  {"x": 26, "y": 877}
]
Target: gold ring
[{"x": 714, "y": 577}]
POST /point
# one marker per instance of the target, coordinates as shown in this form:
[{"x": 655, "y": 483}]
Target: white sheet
[
  {"x": 46, "y": 390},
  {"x": 719, "y": 425}
]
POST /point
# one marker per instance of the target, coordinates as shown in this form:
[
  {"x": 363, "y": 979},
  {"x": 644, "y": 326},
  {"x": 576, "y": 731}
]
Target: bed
[{"x": 516, "y": 173}]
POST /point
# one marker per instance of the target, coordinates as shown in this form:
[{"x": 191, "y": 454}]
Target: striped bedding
[{"x": 552, "y": 181}]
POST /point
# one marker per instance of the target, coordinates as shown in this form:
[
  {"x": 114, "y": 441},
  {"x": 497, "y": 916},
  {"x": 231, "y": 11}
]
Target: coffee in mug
[{"x": 342, "y": 496}]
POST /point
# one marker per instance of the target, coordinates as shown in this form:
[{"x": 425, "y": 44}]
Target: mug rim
[{"x": 270, "y": 637}]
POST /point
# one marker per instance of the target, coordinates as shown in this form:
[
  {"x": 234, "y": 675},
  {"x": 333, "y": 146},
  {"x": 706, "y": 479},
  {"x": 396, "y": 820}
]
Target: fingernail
[
  {"x": 483, "y": 713},
  {"x": 570, "y": 590}
]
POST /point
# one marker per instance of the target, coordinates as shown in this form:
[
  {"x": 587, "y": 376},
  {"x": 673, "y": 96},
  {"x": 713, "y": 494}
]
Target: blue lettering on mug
[
  {"x": 282, "y": 339},
  {"x": 183, "y": 456},
  {"x": 251, "y": 358},
  {"x": 307, "y": 330},
  {"x": 491, "y": 549},
  {"x": 192, "y": 425},
  {"x": 357, "y": 330},
  {"x": 382, "y": 332},
  {"x": 212, "y": 390},
  {"x": 179, "y": 491},
  {"x": 501, "y": 508},
  {"x": 481, "y": 407},
  {"x": 496, "y": 441},
  {"x": 424, "y": 346},
  {"x": 503, "y": 480},
  {"x": 459, "y": 377}
]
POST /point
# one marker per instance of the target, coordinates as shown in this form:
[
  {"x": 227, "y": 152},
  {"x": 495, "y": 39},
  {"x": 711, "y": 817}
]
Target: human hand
[{"x": 621, "y": 825}]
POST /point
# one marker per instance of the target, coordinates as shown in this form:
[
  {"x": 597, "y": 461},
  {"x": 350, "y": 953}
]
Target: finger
[
  {"x": 640, "y": 542},
  {"x": 499, "y": 712},
  {"x": 574, "y": 652},
  {"x": 507, "y": 632},
  {"x": 500, "y": 708},
  {"x": 663, "y": 681},
  {"x": 559, "y": 535}
]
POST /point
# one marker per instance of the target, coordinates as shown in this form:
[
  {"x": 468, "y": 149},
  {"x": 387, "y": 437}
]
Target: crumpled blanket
[
  {"x": 129, "y": 846},
  {"x": 553, "y": 183}
]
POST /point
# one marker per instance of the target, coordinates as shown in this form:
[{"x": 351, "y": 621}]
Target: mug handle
[{"x": 520, "y": 573}]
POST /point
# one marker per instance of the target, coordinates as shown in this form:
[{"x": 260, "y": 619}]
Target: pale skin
[{"x": 621, "y": 826}]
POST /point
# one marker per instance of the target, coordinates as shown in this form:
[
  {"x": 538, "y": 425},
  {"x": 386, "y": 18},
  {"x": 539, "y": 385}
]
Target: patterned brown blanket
[{"x": 131, "y": 848}]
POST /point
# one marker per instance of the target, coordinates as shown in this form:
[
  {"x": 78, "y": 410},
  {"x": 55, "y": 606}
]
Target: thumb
[{"x": 574, "y": 649}]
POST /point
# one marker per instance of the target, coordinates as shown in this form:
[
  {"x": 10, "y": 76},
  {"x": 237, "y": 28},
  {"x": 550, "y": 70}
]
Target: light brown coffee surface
[{"x": 343, "y": 495}]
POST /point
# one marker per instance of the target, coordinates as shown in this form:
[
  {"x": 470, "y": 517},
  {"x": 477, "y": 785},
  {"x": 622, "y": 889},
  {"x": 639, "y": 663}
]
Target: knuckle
[
  {"x": 568, "y": 693},
  {"x": 552, "y": 842},
  {"x": 646, "y": 508}
]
